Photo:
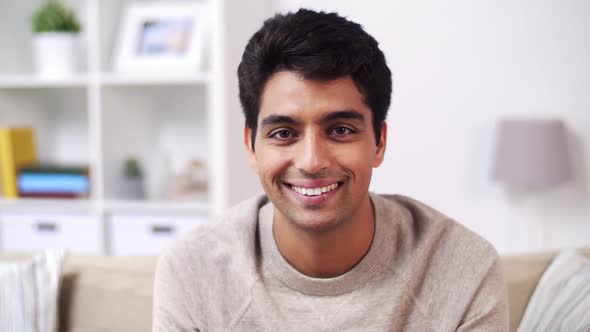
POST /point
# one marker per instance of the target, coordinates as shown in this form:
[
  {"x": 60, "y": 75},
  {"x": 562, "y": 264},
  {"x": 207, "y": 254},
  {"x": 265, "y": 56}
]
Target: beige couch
[{"x": 113, "y": 294}]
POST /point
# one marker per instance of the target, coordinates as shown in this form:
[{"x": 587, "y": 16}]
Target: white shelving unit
[
  {"x": 99, "y": 117},
  {"x": 33, "y": 81}
]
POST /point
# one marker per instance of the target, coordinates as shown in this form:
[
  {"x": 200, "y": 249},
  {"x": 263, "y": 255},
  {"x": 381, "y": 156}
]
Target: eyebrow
[
  {"x": 341, "y": 115},
  {"x": 275, "y": 119}
]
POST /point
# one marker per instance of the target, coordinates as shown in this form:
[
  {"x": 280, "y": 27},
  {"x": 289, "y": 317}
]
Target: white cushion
[
  {"x": 29, "y": 292},
  {"x": 561, "y": 301}
]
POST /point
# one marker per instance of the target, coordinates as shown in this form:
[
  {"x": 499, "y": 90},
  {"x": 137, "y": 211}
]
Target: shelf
[
  {"x": 100, "y": 117},
  {"x": 200, "y": 207},
  {"x": 157, "y": 207},
  {"x": 118, "y": 79},
  {"x": 19, "y": 81},
  {"x": 45, "y": 205}
]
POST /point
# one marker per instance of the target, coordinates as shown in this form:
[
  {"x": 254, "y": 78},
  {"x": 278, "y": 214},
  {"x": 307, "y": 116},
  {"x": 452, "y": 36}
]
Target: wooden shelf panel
[
  {"x": 119, "y": 79},
  {"x": 46, "y": 205},
  {"x": 19, "y": 81},
  {"x": 157, "y": 207},
  {"x": 200, "y": 207}
]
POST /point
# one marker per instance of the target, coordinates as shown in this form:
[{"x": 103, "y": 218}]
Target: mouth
[
  {"x": 309, "y": 191},
  {"x": 314, "y": 194}
]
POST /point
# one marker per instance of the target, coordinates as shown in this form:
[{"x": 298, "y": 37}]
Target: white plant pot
[
  {"x": 132, "y": 187},
  {"x": 56, "y": 53}
]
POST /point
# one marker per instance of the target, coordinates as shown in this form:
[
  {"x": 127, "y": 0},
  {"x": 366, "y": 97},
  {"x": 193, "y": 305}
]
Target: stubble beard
[{"x": 312, "y": 218}]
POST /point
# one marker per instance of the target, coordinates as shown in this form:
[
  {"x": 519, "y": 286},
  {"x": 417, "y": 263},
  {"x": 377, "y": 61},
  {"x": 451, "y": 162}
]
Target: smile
[{"x": 314, "y": 191}]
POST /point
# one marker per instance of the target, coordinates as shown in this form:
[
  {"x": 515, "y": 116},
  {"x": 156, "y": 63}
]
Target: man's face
[{"x": 315, "y": 149}]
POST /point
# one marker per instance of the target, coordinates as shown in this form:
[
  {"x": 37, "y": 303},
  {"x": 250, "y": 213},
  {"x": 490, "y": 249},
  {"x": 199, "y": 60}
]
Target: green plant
[
  {"x": 54, "y": 16},
  {"x": 132, "y": 169}
]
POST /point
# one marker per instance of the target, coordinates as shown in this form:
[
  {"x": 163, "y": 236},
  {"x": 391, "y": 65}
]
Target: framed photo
[{"x": 162, "y": 36}]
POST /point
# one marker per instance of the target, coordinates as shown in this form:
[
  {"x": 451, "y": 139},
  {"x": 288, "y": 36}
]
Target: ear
[
  {"x": 380, "y": 153},
  {"x": 248, "y": 144}
]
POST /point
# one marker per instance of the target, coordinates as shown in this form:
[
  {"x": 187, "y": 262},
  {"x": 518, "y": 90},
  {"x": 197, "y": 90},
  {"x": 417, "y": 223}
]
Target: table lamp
[{"x": 531, "y": 154}]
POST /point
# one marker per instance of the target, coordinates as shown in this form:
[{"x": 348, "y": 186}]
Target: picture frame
[{"x": 162, "y": 37}]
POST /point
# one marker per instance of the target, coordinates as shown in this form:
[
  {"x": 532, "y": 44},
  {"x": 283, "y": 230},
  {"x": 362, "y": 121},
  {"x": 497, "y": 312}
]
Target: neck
[{"x": 326, "y": 254}]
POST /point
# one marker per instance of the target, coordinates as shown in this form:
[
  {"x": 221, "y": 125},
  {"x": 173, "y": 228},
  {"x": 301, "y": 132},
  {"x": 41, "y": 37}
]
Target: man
[{"x": 319, "y": 252}]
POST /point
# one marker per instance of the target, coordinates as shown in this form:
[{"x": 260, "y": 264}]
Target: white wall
[
  {"x": 458, "y": 67},
  {"x": 241, "y": 182}
]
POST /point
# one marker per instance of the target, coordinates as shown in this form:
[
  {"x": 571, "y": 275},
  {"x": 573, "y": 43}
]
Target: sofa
[{"x": 114, "y": 294}]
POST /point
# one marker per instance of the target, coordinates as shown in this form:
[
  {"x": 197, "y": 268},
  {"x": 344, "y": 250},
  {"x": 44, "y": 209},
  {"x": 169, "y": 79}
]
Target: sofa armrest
[{"x": 107, "y": 293}]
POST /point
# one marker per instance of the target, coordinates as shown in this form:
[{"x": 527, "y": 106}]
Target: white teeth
[{"x": 314, "y": 191}]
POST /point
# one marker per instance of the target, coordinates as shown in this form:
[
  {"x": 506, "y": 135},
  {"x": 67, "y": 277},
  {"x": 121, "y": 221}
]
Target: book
[
  {"x": 53, "y": 183},
  {"x": 53, "y": 169},
  {"x": 52, "y": 195},
  {"x": 17, "y": 149}
]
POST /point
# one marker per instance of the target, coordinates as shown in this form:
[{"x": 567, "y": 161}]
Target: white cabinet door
[
  {"x": 146, "y": 235},
  {"x": 34, "y": 232}
]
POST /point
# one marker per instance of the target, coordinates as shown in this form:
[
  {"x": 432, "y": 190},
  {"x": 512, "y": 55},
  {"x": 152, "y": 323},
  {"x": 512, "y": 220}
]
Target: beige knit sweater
[{"x": 423, "y": 272}]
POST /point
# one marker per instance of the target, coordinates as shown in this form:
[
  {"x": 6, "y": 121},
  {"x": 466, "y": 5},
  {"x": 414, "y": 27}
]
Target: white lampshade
[{"x": 531, "y": 154}]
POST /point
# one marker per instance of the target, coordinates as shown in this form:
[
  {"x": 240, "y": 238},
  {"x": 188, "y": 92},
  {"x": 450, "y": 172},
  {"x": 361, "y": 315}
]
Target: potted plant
[
  {"x": 132, "y": 183},
  {"x": 56, "y": 30}
]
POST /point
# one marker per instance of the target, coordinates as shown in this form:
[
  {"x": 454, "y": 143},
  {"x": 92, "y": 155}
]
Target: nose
[{"x": 312, "y": 154}]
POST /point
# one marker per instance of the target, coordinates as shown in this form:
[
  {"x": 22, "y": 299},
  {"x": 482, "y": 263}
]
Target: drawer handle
[
  {"x": 47, "y": 226},
  {"x": 161, "y": 229}
]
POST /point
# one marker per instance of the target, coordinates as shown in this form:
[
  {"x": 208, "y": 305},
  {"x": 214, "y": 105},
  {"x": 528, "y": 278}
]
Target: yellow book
[{"x": 17, "y": 148}]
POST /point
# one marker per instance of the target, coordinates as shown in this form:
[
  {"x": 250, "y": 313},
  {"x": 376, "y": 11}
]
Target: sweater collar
[{"x": 372, "y": 265}]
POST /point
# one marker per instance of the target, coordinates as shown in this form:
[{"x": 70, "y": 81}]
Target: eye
[
  {"x": 341, "y": 131},
  {"x": 282, "y": 134}
]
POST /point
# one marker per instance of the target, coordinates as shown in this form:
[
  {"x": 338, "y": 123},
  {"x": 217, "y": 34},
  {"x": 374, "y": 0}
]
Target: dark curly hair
[{"x": 318, "y": 46}]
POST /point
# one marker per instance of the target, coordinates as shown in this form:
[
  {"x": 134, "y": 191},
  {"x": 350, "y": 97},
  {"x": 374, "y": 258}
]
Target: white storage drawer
[
  {"x": 146, "y": 235},
  {"x": 34, "y": 232}
]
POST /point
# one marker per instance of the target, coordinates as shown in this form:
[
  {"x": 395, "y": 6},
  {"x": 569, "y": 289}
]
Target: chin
[{"x": 315, "y": 223}]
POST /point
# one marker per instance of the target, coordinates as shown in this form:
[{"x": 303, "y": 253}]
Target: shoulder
[
  {"x": 432, "y": 233},
  {"x": 213, "y": 266},
  {"x": 225, "y": 245},
  {"x": 440, "y": 259}
]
